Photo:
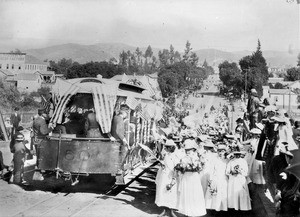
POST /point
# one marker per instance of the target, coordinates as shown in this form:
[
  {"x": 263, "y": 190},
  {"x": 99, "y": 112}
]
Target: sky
[{"x": 228, "y": 25}]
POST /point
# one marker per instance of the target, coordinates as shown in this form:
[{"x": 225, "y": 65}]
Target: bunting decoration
[
  {"x": 131, "y": 102},
  {"x": 61, "y": 105},
  {"x": 105, "y": 97}
]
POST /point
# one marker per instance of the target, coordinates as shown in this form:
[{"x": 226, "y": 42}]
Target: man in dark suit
[
  {"x": 118, "y": 132},
  {"x": 15, "y": 120},
  {"x": 118, "y": 128},
  {"x": 19, "y": 159},
  {"x": 40, "y": 130}
]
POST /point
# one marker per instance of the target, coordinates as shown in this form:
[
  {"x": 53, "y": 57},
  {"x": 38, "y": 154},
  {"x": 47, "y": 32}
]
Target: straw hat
[
  {"x": 283, "y": 148},
  {"x": 253, "y": 91},
  {"x": 228, "y": 136},
  {"x": 271, "y": 108},
  {"x": 203, "y": 137},
  {"x": 208, "y": 144},
  {"x": 20, "y": 137},
  {"x": 278, "y": 118},
  {"x": 221, "y": 147},
  {"x": 260, "y": 126},
  {"x": 190, "y": 144},
  {"x": 170, "y": 142},
  {"x": 255, "y": 131}
]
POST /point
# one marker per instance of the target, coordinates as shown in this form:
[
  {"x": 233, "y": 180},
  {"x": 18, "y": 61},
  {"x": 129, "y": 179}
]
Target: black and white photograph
[{"x": 149, "y": 108}]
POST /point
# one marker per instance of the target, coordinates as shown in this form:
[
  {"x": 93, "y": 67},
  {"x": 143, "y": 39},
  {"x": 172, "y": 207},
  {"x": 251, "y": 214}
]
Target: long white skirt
[
  {"x": 238, "y": 193},
  {"x": 219, "y": 200},
  {"x": 191, "y": 198},
  {"x": 164, "y": 197}
]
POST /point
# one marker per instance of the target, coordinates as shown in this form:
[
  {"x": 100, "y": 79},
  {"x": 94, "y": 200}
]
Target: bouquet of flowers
[
  {"x": 190, "y": 164},
  {"x": 212, "y": 187},
  {"x": 236, "y": 170}
]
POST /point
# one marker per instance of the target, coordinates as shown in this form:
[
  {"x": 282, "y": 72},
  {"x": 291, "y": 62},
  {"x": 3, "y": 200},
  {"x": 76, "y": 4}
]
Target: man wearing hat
[
  {"x": 15, "y": 120},
  {"x": 19, "y": 159},
  {"x": 252, "y": 106},
  {"x": 296, "y": 132},
  {"x": 118, "y": 132},
  {"x": 40, "y": 130},
  {"x": 278, "y": 164}
]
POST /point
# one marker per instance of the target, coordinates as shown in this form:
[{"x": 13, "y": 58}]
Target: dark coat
[
  {"x": 40, "y": 128},
  {"x": 117, "y": 127},
  {"x": 15, "y": 120}
]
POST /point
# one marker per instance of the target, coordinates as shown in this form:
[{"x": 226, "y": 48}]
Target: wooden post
[{"x": 3, "y": 128}]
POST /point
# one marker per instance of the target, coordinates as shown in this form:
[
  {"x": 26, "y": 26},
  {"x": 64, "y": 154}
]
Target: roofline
[{"x": 14, "y": 53}]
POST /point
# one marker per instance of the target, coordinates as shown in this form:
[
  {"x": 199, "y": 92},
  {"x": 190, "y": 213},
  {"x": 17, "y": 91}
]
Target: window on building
[
  {"x": 7, "y": 66},
  {"x": 0, "y": 66},
  {"x": 19, "y": 67},
  {"x": 12, "y": 66}
]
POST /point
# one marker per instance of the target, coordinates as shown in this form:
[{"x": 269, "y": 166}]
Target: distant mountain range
[{"x": 105, "y": 51}]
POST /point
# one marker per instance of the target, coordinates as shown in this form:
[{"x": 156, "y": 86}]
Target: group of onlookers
[{"x": 197, "y": 175}]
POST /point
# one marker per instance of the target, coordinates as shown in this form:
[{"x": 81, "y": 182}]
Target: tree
[
  {"x": 123, "y": 58},
  {"x": 187, "y": 51},
  {"x": 231, "y": 77},
  {"x": 298, "y": 60},
  {"x": 278, "y": 86},
  {"x": 292, "y": 74},
  {"x": 139, "y": 55},
  {"x": 254, "y": 70},
  {"x": 62, "y": 66},
  {"x": 168, "y": 83},
  {"x": 194, "y": 59},
  {"x": 16, "y": 51},
  {"x": 209, "y": 69},
  {"x": 177, "y": 57},
  {"x": 92, "y": 69},
  {"x": 148, "y": 53},
  {"x": 172, "y": 55},
  {"x": 164, "y": 57}
]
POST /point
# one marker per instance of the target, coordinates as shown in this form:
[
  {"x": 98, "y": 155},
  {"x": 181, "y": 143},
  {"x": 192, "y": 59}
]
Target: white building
[
  {"x": 21, "y": 63},
  {"x": 283, "y": 98}
]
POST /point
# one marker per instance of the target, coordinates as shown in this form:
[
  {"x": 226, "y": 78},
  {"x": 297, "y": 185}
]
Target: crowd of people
[
  {"x": 206, "y": 167},
  {"x": 203, "y": 171}
]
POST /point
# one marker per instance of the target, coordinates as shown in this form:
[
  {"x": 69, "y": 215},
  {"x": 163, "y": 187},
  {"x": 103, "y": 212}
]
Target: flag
[
  {"x": 131, "y": 102},
  {"x": 105, "y": 97},
  {"x": 45, "y": 104},
  {"x": 199, "y": 131}
]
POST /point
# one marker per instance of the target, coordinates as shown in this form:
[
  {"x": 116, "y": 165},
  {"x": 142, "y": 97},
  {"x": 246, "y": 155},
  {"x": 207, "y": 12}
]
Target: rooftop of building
[
  {"x": 24, "y": 77},
  {"x": 6, "y": 72},
  {"x": 33, "y": 60}
]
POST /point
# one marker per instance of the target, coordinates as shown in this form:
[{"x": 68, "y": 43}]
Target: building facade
[{"x": 21, "y": 63}]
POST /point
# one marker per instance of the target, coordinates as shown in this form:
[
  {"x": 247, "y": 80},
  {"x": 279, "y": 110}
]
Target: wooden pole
[{"x": 3, "y": 128}]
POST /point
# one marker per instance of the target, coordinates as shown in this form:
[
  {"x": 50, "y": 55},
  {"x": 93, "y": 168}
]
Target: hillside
[{"x": 105, "y": 51}]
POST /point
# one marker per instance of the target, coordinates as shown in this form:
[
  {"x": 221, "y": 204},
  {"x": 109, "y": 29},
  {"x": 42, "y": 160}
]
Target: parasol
[{"x": 294, "y": 168}]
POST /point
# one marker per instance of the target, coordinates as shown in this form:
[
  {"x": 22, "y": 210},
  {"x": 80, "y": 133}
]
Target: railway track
[{"x": 74, "y": 203}]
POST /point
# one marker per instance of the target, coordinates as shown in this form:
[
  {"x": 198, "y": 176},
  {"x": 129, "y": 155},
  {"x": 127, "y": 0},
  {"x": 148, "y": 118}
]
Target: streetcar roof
[{"x": 86, "y": 85}]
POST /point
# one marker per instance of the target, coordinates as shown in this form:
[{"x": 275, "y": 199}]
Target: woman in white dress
[
  {"x": 216, "y": 194},
  {"x": 255, "y": 167},
  {"x": 238, "y": 192},
  {"x": 166, "y": 186},
  {"x": 190, "y": 193}
]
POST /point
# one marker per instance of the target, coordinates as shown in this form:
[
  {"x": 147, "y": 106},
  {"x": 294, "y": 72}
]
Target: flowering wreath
[{"x": 190, "y": 164}]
